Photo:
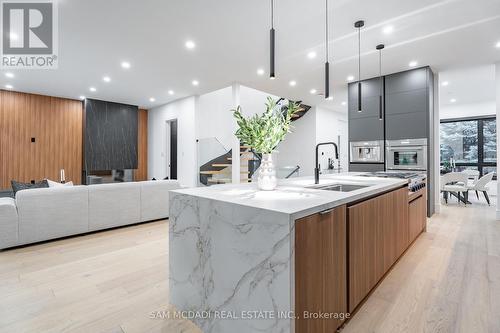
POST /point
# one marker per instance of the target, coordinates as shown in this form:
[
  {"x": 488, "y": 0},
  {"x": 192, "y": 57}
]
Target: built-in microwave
[
  {"x": 410, "y": 154},
  {"x": 367, "y": 152}
]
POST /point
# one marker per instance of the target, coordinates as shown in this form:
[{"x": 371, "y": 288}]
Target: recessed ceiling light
[
  {"x": 82, "y": 97},
  {"x": 125, "y": 64},
  {"x": 9, "y": 86},
  {"x": 14, "y": 36},
  {"x": 497, "y": 45},
  {"x": 190, "y": 45},
  {"x": 311, "y": 55},
  {"x": 413, "y": 63},
  {"x": 152, "y": 99},
  {"x": 388, "y": 29},
  {"x": 453, "y": 100},
  {"x": 260, "y": 71},
  {"x": 9, "y": 75},
  {"x": 195, "y": 82},
  {"x": 170, "y": 92},
  {"x": 445, "y": 83},
  {"x": 92, "y": 89},
  {"x": 344, "y": 103},
  {"x": 106, "y": 79},
  {"x": 350, "y": 78},
  {"x": 292, "y": 83},
  {"x": 313, "y": 91}
]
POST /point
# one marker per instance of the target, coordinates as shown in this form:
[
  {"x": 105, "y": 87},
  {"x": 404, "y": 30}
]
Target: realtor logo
[{"x": 29, "y": 34}]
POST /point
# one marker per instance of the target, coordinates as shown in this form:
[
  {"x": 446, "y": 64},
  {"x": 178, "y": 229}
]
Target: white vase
[{"x": 267, "y": 174}]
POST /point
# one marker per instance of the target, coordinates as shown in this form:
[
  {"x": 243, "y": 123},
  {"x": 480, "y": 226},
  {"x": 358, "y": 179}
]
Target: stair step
[
  {"x": 218, "y": 172},
  {"x": 221, "y": 165},
  {"x": 241, "y": 158}
]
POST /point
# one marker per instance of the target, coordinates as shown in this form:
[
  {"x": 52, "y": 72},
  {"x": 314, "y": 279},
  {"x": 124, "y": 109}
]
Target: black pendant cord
[
  {"x": 327, "y": 64},
  {"x": 272, "y": 73}
]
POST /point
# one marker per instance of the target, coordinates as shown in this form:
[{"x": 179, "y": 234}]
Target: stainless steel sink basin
[{"x": 341, "y": 187}]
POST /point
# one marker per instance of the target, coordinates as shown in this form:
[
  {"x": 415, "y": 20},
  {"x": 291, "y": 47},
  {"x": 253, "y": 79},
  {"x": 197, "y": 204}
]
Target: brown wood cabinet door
[
  {"x": 320, "y": 270},
  {"x": 378, "y": 234},
  {"x": 417, "y": 217}
]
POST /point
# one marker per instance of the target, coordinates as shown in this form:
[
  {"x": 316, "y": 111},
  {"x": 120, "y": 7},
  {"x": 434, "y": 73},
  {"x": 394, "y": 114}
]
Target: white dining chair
[
  {"x": 472, "y": 174},
  {"x": 456, "y": 184},
  {"x": 482, "y": 186}
]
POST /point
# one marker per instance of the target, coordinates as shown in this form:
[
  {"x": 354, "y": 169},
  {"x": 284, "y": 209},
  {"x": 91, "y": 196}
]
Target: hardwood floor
[{"x": 109, "y": 282}]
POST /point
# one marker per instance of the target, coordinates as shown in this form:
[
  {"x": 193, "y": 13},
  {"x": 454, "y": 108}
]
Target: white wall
[
  {"x": 330, "y": 125},
  {"x": 298, "y": 147},
  {"x": 214, "y": 118},
  {"x": 184, "y": 111},
  {"x": 467, "y": 110}
]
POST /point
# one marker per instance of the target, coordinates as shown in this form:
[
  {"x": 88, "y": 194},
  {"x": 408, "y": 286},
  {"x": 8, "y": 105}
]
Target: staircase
[{"x": 219, "y": 170}]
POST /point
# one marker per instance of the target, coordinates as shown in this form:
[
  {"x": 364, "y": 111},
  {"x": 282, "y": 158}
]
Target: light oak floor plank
[{"x": 111, "y": 281}]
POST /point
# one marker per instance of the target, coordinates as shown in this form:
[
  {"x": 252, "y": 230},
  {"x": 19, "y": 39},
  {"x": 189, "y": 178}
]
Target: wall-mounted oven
[
  {"x": 367, "y": 152},
  {"x": 410, "y": 154}
]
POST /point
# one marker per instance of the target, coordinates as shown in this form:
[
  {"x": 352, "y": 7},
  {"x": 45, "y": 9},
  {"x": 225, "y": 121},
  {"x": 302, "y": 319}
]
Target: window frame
[{"x": 480, "y": 142}]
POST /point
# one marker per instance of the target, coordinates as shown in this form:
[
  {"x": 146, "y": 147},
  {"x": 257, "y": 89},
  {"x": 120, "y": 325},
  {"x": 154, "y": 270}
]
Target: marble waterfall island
[{"x": 232, "y": 248}]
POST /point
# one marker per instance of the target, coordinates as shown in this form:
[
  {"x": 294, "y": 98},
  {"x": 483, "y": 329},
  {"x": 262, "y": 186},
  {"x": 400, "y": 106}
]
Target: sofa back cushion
[
  {"x": 112, "y": 205},
  {"x": 49, "y": 213},
  {"x": 154, "y": 198}
]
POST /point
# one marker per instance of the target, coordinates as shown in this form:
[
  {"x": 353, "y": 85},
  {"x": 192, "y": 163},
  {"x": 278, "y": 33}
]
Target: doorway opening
[{"x": 171, "y": 149}]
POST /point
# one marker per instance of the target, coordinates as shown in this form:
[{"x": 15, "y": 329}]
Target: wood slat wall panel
[
  {"x": 55, "y": 123},
  {"x": 142, "y": 147}
]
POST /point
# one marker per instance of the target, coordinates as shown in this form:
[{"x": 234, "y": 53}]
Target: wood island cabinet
[
  {"x": 417, "y": 216},
  {"x": 377, "y": 236},
  {"x": 320, "y": 269}
]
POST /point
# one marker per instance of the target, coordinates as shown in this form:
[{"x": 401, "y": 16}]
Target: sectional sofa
[{"x": 41, "y": 214}]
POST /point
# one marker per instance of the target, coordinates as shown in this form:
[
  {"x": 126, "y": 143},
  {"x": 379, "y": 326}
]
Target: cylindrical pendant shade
[
  {"x": 271, "y": 67},
  {"x": 359, "y": 97},
  {"x": 327, "y": 80}
]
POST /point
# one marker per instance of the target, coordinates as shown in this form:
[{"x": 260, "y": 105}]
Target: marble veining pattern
[{"x": 226, "y": 257}]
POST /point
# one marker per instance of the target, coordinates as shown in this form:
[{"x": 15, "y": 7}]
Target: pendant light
[
  {"x": 380, "y": 47},
  {"x": 358, "y": 25},
  {"x": 327, "y": 64},
  {"x": 272, "y": 75}
]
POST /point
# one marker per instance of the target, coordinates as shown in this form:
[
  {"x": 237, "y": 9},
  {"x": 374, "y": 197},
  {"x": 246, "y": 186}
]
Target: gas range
[{"x": 416, "y": 180}]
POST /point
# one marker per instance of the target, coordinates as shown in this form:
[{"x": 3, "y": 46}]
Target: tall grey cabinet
[{"x": 406, "y": 112}]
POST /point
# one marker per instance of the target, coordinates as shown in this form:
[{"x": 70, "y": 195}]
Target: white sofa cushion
[
  {"x": 112, "y": 205},
  {"x": 154, "y": 198},
  {"x": 49, "y": 213},
  {"x": 8, "y": 223}
]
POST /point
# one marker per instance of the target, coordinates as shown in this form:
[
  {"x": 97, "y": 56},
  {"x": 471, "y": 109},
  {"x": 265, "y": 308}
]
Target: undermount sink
[{"x": 341, "y": 187}]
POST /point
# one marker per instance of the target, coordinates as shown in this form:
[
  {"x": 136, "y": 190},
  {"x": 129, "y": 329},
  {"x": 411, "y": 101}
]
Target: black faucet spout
[{"x": 316, "y": 169}]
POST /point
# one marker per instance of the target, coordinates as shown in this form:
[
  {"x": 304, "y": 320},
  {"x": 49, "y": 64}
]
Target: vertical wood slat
[
  {"x": 141, "y": 173},
  {"x": 55, "y": 123}
]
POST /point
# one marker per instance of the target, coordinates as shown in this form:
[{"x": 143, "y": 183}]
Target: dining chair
[
  {"x": 455, "y": 183},
  {"x": 481, "y": 185},
  {"x": 472, "y": 174}
]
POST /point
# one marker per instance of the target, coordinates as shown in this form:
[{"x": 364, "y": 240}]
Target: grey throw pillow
[{"x": 18, "y": 186}]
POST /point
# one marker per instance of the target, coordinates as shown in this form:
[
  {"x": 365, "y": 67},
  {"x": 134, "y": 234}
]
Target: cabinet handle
[{"x": 326, "y": 211}]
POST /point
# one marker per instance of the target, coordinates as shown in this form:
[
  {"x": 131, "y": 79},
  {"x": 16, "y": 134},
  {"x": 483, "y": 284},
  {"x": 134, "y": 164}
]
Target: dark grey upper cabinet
[
  {"x": 406, "y": 81},
  {"x": 407, "y": 102},
  {"x": 370, "y": 108},
  {"x": 366, "y": 129},
  {"x": 412, "y": 125},
  {"x": 369, "y": 88}
]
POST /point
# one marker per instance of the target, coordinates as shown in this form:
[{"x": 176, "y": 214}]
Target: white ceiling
[
  {"x": 232, "y": 41},
  {"x": 468, "y": 85}
]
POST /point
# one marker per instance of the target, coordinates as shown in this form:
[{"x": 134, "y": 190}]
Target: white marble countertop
[{"x": 295, "y": 197}]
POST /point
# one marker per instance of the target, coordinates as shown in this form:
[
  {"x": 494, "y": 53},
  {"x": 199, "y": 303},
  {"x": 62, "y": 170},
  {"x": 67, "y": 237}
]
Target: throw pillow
[
  {"x": 57, "y": 184},
  {"x": 18, "y": 186}
]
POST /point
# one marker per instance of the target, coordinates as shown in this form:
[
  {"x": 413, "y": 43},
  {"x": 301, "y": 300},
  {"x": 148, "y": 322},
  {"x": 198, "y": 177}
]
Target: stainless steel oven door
[
  {"x": 367, "y": 152},
  {"x": 407, "y": 158}
]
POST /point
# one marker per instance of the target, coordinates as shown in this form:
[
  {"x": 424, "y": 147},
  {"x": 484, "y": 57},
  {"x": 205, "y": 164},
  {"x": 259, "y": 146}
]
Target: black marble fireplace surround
[{"x": 110, "y": 136}]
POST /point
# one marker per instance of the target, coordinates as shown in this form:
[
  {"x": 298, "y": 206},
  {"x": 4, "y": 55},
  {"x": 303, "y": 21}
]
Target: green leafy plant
[{"x": 264, "y": 132}]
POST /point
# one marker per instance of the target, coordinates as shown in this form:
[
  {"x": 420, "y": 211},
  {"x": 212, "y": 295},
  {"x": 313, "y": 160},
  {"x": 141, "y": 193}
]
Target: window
[{"x": 471, "y": 142}]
